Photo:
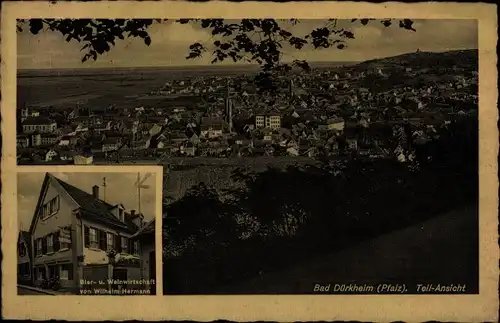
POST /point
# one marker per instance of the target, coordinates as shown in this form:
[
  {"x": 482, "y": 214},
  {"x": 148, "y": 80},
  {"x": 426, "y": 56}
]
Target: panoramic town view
[
  {"x": 360, "y": 150},
  {"x": 79, "y": 235}
]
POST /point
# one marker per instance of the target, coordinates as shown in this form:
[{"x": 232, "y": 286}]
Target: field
[
  {"x": 181, "y": 178},
  {"x": 102, "y": 87},
  {"x": 105, "y": 86}
]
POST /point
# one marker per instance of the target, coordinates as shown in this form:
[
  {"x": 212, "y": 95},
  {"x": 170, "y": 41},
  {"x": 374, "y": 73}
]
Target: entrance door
[
  {"x": 152, "y": 271},
  {"x": 53, "y": 271},
  {"x": 120, "y": 274}
]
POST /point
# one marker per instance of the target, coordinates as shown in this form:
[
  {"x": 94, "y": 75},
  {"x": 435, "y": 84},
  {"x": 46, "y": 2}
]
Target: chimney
[
  {"x": 95, "y": 191},
  {"x": 136, "y": 218}
]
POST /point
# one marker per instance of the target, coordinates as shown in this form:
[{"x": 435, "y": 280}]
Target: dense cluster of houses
[
  {"x": 79, "y": 238},
  {"x": 319, "y": 113}
]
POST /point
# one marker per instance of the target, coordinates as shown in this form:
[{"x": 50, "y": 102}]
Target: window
[
  {"x": 40, "y": 273},
  {"x": 66, "y": 272},
  {"x": 63, "y": 273},
  {"x": 53, "y": 271},
  {"x": 124, "y": 245},
  {"x": 22, "y": 249},
  {"x": 24, "y": 270},
  {"x": 103, "y": 240},
  {"x": 65, "y": 238},
  {"x": 39, "y": 247},
  {"x": 50, "y": 243},
  {"x": 50, "y": 208},
  {"x": 43, "y": 212},
  {"x": 136, "y": 248},
  {"x": 94, "y": 243},
  {"x": 54, "y": 205},
  {"x": 110, "y": 240}
]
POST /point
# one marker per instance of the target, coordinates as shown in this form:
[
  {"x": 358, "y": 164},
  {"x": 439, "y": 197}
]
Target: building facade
[
  {"x": 146, "y": 241},
  {"x": 271, "y": 121},
  {"x": 83, "y": 240},
  {"x": 39, "y": 124},
  {"x": 24, "y": 255}
]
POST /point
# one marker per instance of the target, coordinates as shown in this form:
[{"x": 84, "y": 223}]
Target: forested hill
[{"x": 418, "y": 60}]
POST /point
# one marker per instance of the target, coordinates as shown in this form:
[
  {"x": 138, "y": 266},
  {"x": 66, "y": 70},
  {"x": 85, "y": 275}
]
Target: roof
[
  {"x": 211, "y": 127},
  {"x": 147, "y": 229},
  {"x": 94, "y": 208},
  {"x": 24, "y": 235},
  {"x": 38, "y": 121},
  {"x": 111, "y": 141},
  {"x": 50, "y": 135},
  {"x": 335, "y": 120}
]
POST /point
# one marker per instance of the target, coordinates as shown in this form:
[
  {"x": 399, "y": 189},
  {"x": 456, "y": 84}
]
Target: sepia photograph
[
  {"x": 86, "y": 233},
  {"x": 312, "y": 143},
  {"x": 237, "y": 166}
]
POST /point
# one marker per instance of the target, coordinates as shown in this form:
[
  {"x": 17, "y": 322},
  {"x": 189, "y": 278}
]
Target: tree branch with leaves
[{"x": 258, "y": 41}]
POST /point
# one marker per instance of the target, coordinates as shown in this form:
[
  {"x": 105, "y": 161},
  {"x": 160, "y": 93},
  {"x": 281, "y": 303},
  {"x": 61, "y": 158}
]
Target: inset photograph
[{"x": 86, "y": 233}]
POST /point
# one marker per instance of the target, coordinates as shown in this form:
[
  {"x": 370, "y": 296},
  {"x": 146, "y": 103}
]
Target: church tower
[{"x": 229, "y": 109}]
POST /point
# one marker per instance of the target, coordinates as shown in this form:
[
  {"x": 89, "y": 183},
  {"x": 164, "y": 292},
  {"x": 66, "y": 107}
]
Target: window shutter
[
  {"x": 87, "y": 236},
  {"x": 57, "y": 244},
  {"x": 44, "y": 245},
  {"x": 130, "y": 246},
  {"x": 70, "y": 272},
  {"x": 102, "y": 239},
  {"x": 98, "y": 236},
  {"x": 36, "y": 247},
  {"x": 105, "y": 239},
  {"x": 70, "y": 235},
  {"x": 118, "y": 243}
]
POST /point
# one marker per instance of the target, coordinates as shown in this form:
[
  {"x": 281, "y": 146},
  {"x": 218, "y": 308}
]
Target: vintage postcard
[
  {"x": 336, "y": 161},
  {"x": 86, "y": 233}
]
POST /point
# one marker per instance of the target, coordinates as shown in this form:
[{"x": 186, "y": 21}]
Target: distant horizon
[
  {"x": 48, "y": 50},
  {"x": 238, "y": 64},
  {"x": 188, "y": 66}
]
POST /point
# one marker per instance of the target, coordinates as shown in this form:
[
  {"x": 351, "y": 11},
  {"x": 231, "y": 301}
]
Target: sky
[
  {"x": 171, "y": 40},
  {"x": 120, "y": 189}
]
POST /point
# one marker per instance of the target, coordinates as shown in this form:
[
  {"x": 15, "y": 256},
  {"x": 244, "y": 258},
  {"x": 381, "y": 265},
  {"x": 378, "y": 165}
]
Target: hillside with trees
[
  {"x": 426, "y": 60},
  {"x": 283, "y": 217}
]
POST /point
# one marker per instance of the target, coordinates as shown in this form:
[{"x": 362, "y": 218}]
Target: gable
[
  {"x": 49, "y": 191},
  {"x": 116, "y": 207},
  {"x": 24, "y": 239}
]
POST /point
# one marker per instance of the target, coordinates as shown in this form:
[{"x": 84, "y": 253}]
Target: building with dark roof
[
  {"x": 82, "y": 239},
  {"x": 24, "y": 256},
  {"x": 39, "y": 124}
]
